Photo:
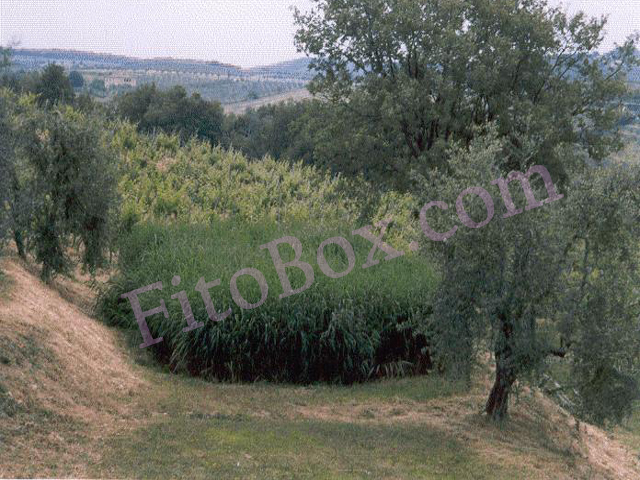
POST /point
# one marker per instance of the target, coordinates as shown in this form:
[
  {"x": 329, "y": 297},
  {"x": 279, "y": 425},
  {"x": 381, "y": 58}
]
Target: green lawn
[
  {"x": 246, "y": 447},
  {"x": 199, "y": 430}
]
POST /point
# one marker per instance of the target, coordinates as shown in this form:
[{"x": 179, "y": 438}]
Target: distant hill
[
  {"x": 38, "y": 58},
  {"x": 298, "y": 68},
  {"x": 34, "y": 59}
]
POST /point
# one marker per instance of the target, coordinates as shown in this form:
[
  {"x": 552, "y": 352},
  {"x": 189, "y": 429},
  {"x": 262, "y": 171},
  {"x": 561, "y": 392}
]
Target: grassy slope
[{"x": 81, "y": 403}]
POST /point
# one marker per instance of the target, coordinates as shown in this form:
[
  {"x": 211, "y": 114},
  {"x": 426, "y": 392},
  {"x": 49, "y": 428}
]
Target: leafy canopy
[{"x": 412, "y": 77}]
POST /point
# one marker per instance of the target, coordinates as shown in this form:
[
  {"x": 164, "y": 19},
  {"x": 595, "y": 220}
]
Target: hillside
[
  {"x": 75, "y": 400},
  {"x": 298, "y": 68},
  {"x": 241, "y": 107},
  {"x": 73, "y": 59},
  {"x": 38, "y": 58},
  {"x": 228, "y": 84}
]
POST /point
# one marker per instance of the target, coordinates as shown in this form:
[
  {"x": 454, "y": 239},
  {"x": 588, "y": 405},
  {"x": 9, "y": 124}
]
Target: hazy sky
[{"x": 241, "y": 32}]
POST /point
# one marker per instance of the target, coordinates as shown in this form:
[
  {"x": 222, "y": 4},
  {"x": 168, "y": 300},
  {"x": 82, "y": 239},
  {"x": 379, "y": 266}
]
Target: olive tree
[
  {"x": 6, "y": 165},
  {"x": 540, "y": 275},
  {"x": 67, "y": 185},
  {"x": 6, "y": 152},
  {"x": 441, "y": 95}
]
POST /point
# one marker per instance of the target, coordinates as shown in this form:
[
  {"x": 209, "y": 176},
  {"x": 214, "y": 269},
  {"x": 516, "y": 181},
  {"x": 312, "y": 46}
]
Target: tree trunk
[
  {"x": 17, "y": 237},
  {"x": 498, "y": 402}
]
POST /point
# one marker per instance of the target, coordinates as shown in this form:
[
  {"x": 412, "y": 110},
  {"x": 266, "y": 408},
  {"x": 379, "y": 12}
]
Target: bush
[{"x": 367, "y": 323}]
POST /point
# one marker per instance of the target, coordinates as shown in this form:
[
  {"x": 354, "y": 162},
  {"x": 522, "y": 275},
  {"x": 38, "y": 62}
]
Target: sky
[{"x": 241, "y": 32}]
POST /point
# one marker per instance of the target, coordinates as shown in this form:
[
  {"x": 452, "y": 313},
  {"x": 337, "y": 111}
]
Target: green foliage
[
  {"x": 605, "y": 298},
  {"x": 558, "y": 280},
  {"x": 349, "y": 332},
  {"x": 64, "y": 187},
  {"x": 6, "y": 166},
  {"x": 164, "y": 180},
  {"x": 198, "y": 183},
  {"x": 312, "y": 131},
  {"x": 54, "y": 86},
  {"x": 273, "y": 130},
  {"x": 85, "y": 103},
  {"x": 345, "y": 330},
  {"x": 409, "y": 78},
  {"x": 172, "y": 111},
  {"x": 97, "y": 87},
  {"x": 5, "y": 55},
  {"x": 607, "y": 395},
  {"x": 76, "y": 79}
]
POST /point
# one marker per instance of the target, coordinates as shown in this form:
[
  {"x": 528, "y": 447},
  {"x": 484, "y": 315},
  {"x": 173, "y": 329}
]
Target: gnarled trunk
[{"x": 498, "y": 402}]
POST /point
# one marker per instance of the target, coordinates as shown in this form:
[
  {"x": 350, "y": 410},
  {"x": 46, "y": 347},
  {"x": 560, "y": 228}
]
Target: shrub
[{"x": 367, "y": 323}]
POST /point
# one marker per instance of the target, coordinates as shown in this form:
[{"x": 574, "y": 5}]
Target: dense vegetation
[
  {"x": 366, "y": 324},
  {"x": 431, "y": 102},
  {"x": 60, "y": 175},
  {"x": 410, "y": 114},
  {"x": 172, "y": 111},
  {"x": 164, "y": 180},
  {"x": 557, "y": 281}
]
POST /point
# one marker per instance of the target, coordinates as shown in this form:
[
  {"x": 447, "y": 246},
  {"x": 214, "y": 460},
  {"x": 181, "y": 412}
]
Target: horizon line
[{"x": 135, "y": 57}]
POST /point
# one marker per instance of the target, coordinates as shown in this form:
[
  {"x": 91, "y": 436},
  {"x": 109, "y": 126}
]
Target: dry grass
[
  {"x": 73, "y": 402},
  {"x": 66, "y": 376}
]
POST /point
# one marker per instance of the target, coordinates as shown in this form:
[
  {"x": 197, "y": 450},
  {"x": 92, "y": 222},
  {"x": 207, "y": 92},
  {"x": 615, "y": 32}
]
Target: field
[
  {"x": 241, "y": 107},
  {"x": 77, "y": 399}
]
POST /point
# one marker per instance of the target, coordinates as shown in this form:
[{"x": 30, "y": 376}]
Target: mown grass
[
  {"x": 366, "y": 323},
  {"x": 246, "y": 431},
  {"x": 250, "y": 448}
]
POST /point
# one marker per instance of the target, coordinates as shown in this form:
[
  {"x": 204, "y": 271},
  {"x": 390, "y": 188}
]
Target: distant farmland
[
  {"x": 228, "y": 84},
  {"x": 241, "y": 107}
]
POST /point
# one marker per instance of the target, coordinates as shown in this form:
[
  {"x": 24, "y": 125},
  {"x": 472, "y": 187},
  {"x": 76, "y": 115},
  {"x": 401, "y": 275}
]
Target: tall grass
[
  {"x": 367, "y": 323},
  {"x": 164, "y": 181}
]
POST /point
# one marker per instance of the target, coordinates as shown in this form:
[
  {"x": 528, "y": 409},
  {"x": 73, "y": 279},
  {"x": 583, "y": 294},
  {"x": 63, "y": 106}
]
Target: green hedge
[{"x": 367, "y": 323}]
